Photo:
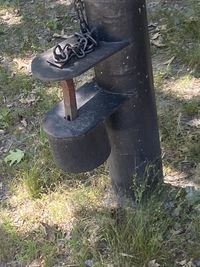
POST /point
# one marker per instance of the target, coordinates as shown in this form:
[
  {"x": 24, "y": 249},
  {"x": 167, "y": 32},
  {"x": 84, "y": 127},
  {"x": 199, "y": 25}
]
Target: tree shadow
[
  {"x": 179, "y": 131},
  {"x": 36, "y": 26},
  {"x": 40, "y": 246},
  {"x": 97, "y": 235}
]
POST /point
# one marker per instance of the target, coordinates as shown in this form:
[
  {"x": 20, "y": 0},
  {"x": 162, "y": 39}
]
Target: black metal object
[
  {"x": 133, "y": 129},
  {"x": 84, "y": 44},
  {"x": 80, "y": 10},
  {"x": 48, "y": 72},
  {"x": 105, "y": 122},
  {"x": 82, "y": 145}
]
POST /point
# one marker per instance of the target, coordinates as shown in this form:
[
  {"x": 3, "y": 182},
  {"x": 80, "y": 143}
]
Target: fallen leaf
[
  {"x": 185, "y": 263},
  {"x": 37, "y": 263},
  {"x": 21, "y": 64},
  {"x": 32, "y": 98},
  {"x": 181, "y": 263},
  {"x": 7, "y": 16},
  {"x": 169, "y": 62},
  {"x": 153, "y": 25},
  {"x": 126, "y": 255},
  {"x": 57, "y": 35},
  {"x": 157, "y": 43},
  {"x": 89, "y": 263},
  {"x": 190, "y": 264},
  {"x": 15, "y": 156},
  {"x": 48, "y": 232},
  {"x": 24, "y": 123},
  {"x": 2, "y": 132},
  {"x": 194, "y": 123},
  {"x": 155, "y": 36},
  {"x": 153, "y": 263}
]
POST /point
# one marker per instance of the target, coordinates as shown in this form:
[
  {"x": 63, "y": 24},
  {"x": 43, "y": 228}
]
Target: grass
[
  {"x": 181, "y": 33},
  {"x": 119, "y": 237},
  {"x": 29, "y": 249},
  {"x": 50, "y": 218}
]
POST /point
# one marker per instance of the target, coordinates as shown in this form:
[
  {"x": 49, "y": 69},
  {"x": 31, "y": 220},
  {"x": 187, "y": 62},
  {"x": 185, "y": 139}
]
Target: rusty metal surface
[{"x": 47, "y": 72}]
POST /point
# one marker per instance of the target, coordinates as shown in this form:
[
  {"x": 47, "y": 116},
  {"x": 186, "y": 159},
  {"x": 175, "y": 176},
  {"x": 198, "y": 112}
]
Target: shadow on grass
[
  {"x": 35, "y": 29},
  {"x": 39, "y": 246},
  {"x": 179, "y": 134},
  {"x": 165, "y": 229}
]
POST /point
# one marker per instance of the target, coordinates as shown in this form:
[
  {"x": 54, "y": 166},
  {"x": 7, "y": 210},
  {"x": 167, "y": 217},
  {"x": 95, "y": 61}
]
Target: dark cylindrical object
[
  {"x": 80, "y": 145},
  {"x": 133, "y": 129},
  {"x": 83, "y": 153}
]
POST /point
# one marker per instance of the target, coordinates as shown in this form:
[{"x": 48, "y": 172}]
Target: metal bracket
[{"x": 46, "y": 71}]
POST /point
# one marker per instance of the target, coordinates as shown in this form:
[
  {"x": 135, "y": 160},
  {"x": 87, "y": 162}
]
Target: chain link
[
  {"x": 80, "y": 9},
  {"x": 85, "y": 40}
]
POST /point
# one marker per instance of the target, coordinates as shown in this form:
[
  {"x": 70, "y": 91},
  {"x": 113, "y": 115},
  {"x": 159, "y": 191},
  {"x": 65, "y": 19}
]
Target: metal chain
[
  {"x": 80, "y": 8},
  {"x": 85, "y": 40}
]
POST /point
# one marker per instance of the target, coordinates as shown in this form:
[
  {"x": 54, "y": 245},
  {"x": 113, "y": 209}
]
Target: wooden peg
[{"x": 69, "y": 94}]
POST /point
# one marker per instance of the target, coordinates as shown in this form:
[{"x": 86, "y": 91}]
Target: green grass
[
  {"x": 181, "y": 32},
  {"x": 25, "y": 248},
  {"x": 9, "y": 3},
  {"x": 118, "y": 236},
  {"x": 191, "y": 108},
  {"x": 134, "y": 237}
]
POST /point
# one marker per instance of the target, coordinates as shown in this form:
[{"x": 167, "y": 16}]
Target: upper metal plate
[{"x": 47, "y": 72}]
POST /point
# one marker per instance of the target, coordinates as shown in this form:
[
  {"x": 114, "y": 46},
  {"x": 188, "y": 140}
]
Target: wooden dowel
[{"x": 69, "y": 94}]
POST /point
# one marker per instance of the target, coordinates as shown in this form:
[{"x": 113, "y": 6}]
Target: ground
[{"x": 49, "y": 218}]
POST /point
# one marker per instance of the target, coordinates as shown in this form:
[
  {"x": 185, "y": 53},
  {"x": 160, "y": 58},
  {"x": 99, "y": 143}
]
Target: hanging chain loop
[
  {"x": 85, "y": 43},
  {"x": 80, "y": 9}
]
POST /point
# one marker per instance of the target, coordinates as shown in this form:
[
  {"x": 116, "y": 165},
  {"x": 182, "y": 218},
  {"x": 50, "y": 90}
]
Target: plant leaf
[{"x": 15, "y": 156}]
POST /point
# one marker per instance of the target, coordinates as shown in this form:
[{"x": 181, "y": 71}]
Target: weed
[
  {"x": 195, "y": 152},
  {"x": 32, "y": 181},
  {"x": 191, "y": 108},
  {"x": 196, "y": 225},
  {"x": 131, "y": 237},
  {"x": 5, "y": 118},
  {"x": 9, "y": 3},
  {"x": 53, "y": 25},
  {"x": 14, "y": 245},
  {"x": 38, "y": 180},
  {"x": 9, "y": 240},
  {"x": 197, "y": 174}
]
